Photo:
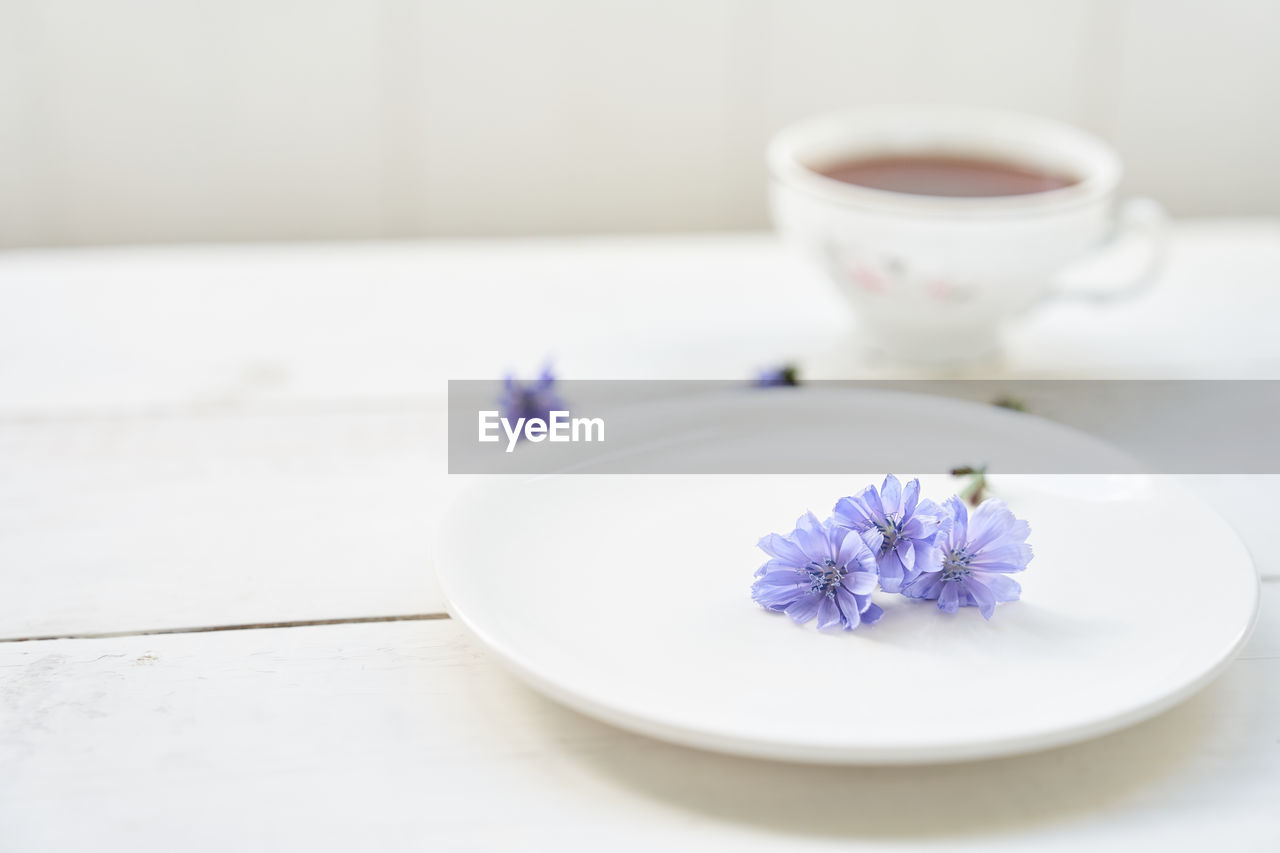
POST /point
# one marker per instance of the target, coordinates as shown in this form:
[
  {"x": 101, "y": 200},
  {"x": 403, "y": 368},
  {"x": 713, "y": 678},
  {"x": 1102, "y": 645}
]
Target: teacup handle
[{"x": 1142, "y": 233}]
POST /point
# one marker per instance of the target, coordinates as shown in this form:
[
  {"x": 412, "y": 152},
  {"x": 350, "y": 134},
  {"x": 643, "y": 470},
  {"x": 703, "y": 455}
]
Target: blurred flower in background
[{"x": 533, "y": 399}]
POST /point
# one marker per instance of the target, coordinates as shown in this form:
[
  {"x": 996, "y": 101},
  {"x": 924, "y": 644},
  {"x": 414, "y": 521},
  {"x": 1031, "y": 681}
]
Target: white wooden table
[{"x": 196, "y": 443}]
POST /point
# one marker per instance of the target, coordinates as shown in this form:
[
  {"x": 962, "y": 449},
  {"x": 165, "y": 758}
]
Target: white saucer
[{"x": 627, "y": 598}]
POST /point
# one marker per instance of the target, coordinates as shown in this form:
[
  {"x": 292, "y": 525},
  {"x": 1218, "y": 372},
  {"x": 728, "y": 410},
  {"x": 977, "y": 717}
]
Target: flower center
[
  {"x": 891, "y": 529},
  {"x": 824, "y": 577},
  {"x": 955, "y": 564}
]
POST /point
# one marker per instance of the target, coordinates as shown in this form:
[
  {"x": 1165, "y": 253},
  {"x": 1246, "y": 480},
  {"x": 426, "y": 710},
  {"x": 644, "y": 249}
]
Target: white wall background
[{"x": 178, "y": 120}]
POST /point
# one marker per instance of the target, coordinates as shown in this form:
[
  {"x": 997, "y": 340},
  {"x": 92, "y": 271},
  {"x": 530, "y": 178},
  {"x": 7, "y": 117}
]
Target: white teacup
[{"x": 934, "y": 278}]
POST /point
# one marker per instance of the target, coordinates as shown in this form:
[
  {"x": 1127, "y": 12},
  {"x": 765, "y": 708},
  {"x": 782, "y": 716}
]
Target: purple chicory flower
[
  {"x": 977, "y": 553},
  {"x": 899, "y": 528},
  {"x": 534, "y": 399},
  {"x": 781, "y": 376},
  {"x": 819, "y": 570}
]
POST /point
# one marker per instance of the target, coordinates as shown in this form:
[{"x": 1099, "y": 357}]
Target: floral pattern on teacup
[{"x": 891, "y": 276}]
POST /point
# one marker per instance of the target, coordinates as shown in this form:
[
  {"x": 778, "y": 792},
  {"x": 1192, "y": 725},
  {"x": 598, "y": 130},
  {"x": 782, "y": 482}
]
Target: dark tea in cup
[{"x": 949, "y": 175}]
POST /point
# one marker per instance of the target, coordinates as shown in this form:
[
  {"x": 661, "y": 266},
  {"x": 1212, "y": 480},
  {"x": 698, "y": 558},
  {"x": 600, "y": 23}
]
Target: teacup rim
[{"x": 1097, "y": 183}]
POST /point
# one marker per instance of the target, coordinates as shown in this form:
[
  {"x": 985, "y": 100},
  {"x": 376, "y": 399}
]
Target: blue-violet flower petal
[
  {"x": 900, "y": 529},
  {"x": 818, "y": 570},
  {"x": 976, "y": 555},
  {"x": 537, "y": 398}
]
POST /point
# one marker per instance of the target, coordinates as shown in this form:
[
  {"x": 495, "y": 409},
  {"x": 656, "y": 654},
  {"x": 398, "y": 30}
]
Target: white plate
[{"x": 627, "y": 598}]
